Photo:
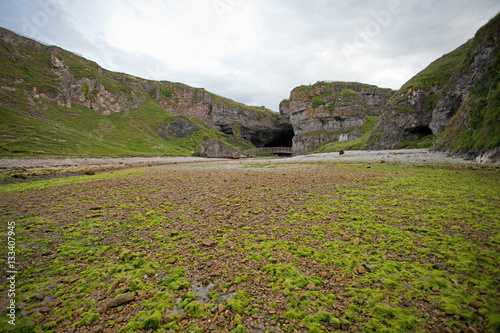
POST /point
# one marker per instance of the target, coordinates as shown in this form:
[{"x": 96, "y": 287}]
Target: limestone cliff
[
  {"x": 33, "y": 74},
  {"x": 454, "y": 99},
  {"x": 329, "y": 111}
]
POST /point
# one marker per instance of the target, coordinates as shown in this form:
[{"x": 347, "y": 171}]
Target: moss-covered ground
[{"x": 314, "y": 247}]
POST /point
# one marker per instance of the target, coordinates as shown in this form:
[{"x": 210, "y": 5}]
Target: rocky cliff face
[
  {"x": 326, "y": 111},
  {"x": 258, "y": 125},
  {"x": 454, "y": 99},
  {"x": 420, "y": 108},
  {"x": 46, "y": 73},
  {"x": 472, "y": 102}
]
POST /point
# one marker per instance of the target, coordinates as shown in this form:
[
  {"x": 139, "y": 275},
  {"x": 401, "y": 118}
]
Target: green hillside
[
  {"x": 475, "y": 127},
  {"x": 452, "y": 105},
  {"x": 437, "y": 74},
  {"x": 33, "y": 121},
  {"x": 84, "y": 132}
]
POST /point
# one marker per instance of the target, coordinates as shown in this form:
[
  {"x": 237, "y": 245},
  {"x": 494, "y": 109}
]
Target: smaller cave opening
[
  {"x": 419, "y": 132},
  {"x": 282, "y": 138}
]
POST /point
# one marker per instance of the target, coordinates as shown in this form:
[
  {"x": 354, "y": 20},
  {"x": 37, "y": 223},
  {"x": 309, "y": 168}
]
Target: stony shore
[{"x": 420, "y": 156}]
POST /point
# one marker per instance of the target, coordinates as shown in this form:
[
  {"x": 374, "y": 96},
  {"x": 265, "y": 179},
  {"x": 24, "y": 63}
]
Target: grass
[
  {"x": 437, "y": 74},
  {"x": 482, "y": 107},
  {"x": 307, "y": 247},
  {"x": 84, "y": 132},
  {"x": 33, "y": 124}
]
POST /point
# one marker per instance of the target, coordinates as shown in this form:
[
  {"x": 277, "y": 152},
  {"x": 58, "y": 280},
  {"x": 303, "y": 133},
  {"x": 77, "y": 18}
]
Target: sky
[{"x": 254, "y": 51}]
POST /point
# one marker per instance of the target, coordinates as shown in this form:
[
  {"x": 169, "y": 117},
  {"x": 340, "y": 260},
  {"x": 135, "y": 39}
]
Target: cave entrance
[
  {"x": 417, "y": 133},
  {"x": 282, "y": 138}
]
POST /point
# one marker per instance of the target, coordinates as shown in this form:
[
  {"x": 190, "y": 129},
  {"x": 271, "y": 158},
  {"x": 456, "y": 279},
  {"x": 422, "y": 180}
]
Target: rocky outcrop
[
  {"x": 217, "y": 149},
  {"x": 327, "y": 111},
  {"x": 419, "y": 109},
  {"x": 454, "y": 99},
  {"x": 61, "y": 77},
  {"x": 180, "y": 127},
  {"x": 88, "y": 91},
  {"x": 256, "y": 124},
  {"x": 472, "y": 129}
]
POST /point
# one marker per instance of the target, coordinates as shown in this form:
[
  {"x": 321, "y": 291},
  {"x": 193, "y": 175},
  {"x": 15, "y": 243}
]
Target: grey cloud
[{"x": 299, "y": 42}]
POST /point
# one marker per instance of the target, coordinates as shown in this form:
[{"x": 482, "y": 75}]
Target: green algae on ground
[{"x": 303, "y": 247}]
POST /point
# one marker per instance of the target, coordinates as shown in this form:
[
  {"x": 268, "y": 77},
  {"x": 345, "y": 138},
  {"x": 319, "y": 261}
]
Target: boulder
[
  {"x": 180, "y": 127},
  {"x": 217, "y": 149}
]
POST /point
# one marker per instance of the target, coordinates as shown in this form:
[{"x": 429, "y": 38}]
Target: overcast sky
[{"x": 254, "y": 51}]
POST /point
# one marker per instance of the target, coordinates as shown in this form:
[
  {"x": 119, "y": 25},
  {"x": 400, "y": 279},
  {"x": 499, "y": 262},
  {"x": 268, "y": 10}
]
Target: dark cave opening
[
  {"x": 420, "y": 132},
  {"x": 282, "y": 138}
]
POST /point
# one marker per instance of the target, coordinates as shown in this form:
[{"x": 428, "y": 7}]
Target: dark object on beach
[{"x": 341, "y": 152}]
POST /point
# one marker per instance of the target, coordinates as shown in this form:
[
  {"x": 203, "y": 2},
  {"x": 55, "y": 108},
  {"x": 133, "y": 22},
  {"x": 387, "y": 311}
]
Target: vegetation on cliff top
[{"x": 437, "y": 75}]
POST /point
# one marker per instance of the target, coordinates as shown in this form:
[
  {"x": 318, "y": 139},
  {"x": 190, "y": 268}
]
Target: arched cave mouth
[
  {"x": 282, "y": 139},
  {"x": 265, "y": 138},
  {"x": 419, "y": 132}
]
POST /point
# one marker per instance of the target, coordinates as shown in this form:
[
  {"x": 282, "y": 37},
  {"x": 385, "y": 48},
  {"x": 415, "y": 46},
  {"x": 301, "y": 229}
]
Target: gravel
[
  {"x": 373, "y": 156},
  {"x": 397, "y": 156}
]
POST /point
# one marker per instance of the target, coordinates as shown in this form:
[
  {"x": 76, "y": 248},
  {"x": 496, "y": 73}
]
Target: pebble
[
  {"x": 125, "y": 298},
  {"x": 44, "y": 309},
  {"x": 344, "y": 325},
  {"x": 440, "y": 267},
  {"x": 475, "y": 304},
  {"x": 369, "y": 268},
  {"x": 208, "y": 242}
]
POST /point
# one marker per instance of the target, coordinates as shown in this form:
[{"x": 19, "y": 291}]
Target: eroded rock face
[
  {"x": 454, "y": 108},
  {"x": 324, "y": 111},
  {"x": 89, "y": 91},
  {"x": 217, "y": 149},
  {"x": 72, "y": 80},
  {"x": 258, "y": 126},
  {"x": 180, "y": 127}
]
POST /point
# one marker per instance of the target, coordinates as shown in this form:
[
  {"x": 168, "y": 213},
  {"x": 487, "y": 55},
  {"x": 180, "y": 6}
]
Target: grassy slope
[
  {"x": 50, "y": 130},
  {"x": 84, "y": 132},
  {"x": 482, "y": 108},
  {"x": 438, "y": 73}
]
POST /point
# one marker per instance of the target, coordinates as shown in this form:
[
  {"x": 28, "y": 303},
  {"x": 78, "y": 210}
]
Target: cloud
[{"x": 254, "y": 51}]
